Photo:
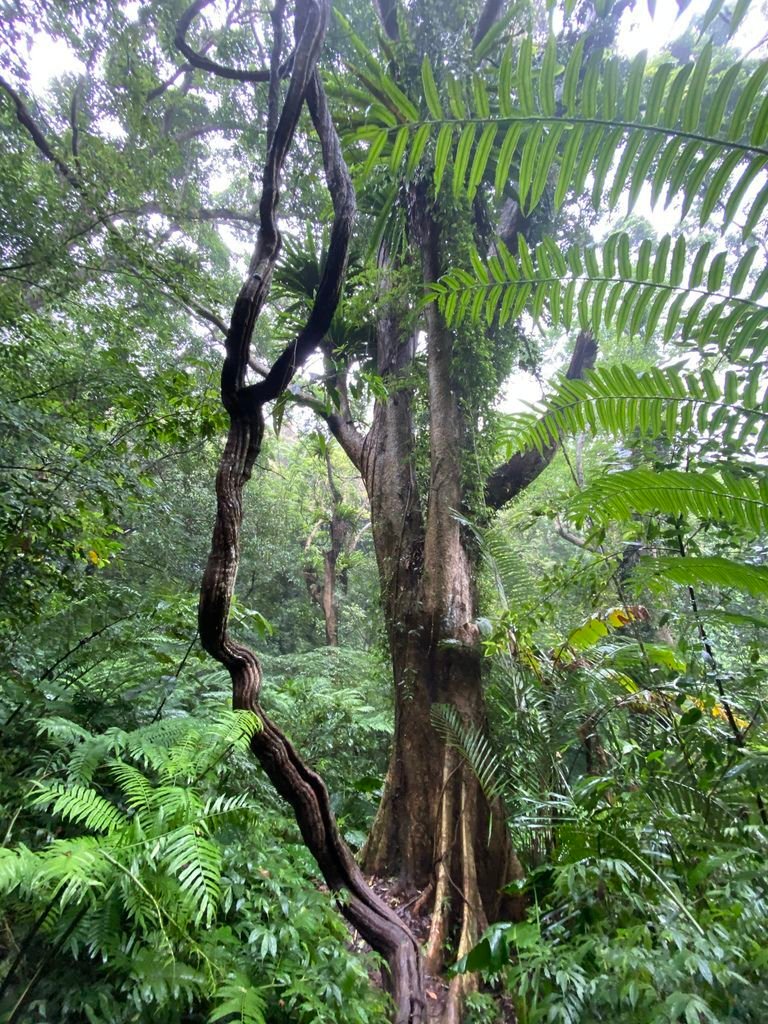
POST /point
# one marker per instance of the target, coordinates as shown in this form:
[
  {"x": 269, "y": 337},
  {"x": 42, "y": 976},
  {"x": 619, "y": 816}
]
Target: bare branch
[
  {"x": 158, "y": 91},
  {"x": 511, "y": 478},
  {"x": 203, "y": 63},
  {"x": 73, "y": 118},
  {"x": 27, "y": 121}
]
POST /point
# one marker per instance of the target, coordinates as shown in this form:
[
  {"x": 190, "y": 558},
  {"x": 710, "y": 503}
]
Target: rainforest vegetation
[{"x": 383, "y": 562}]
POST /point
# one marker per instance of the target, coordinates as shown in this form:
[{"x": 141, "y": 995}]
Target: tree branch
[
  {"x": 511, "y": 478},
  {"x": 488, "y": 18},
  {"x": 197, "y": 60},
  {"x": 25, "y": 119},
  {"x": 329, "y": 290},
  {"x": 303, "y": 788},
  {"x": 387, "y": 12}
]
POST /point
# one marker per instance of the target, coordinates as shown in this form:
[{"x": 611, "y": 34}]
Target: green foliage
[
  {"x": 711, "y": 571},
  {"x": 472, "y": 745},
  {"x": 587, "y": 118},
  {"x": 606, "y": 288},
  {"x": 738, "y": 500},
  {"x": 618, "y": 401},
  {"x": 180, "y": 896}
]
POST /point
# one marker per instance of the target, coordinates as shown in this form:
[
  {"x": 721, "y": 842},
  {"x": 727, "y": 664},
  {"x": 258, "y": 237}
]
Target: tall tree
[{"x": 523, "y": 118}]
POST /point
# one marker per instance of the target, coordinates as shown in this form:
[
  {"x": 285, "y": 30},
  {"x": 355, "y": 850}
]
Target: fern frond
[
  {"x": 80, "y": 805},
  {"x": 238, "y": 1001},
  {"x": 150, "y": 745},
  {"x": 163, "y": 980},
  {"x": 711, "y": 571},
  {"x": 88, "y": 756},
  {"x": 222, "y": 808},
  {"x": 472, "y": 745},
  {"x": 581, "y": 122},
  {"x": 738, "y": 501},
  {"x": 74, "y": 867},
  {"x": 666, "y": 288},
  {"x": 196, "y": 863},
  {"x": 18, "y": 868},
  {"x": 177, "y": 803},
  {"x": 135, "y": 787},
  {"x": 617, "y": 400},
  {"x": 63, "y": 729}
]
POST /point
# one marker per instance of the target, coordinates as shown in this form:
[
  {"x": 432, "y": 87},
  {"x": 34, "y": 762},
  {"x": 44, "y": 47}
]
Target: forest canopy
[{"x": 383, "y": 427}]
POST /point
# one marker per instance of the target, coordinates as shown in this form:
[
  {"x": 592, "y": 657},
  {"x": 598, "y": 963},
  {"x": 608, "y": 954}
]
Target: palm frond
[
  {"x": 565, "y": 125},
  {"x": 666, "y": 288},
  {"x": 473, "y": 746},
  {"x": 711, "y": 571}
]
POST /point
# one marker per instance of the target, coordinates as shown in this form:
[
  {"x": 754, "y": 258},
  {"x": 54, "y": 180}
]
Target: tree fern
[
  {"x": 723, "y": 497},
  {"x": 617, "y": 400}
]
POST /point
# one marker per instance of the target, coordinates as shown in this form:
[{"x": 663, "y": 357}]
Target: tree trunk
[{"x": 434, "y": 830}]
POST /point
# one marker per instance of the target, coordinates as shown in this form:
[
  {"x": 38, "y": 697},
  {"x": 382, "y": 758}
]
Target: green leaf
[
  {"x": 461, "y": 160},
  {"x": 431, "y": 94}
]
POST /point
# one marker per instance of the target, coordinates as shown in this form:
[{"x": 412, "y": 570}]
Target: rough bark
[
  {"x": 295, "y": 781},
  {"x": 432, "y": 828}
]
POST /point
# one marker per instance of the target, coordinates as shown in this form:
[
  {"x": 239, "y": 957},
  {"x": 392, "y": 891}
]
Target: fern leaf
[
  {"x": 196, "y": 863},
  {"x": 81, "y": 805},
  {"x": 617, "y": 400},
  {"x": 135, "y": 787},
  {"x": 738, "y": 501},
  {"x": 239, "y": 1001},
  {"x": 74, "y": 867},
  {"x": 18, "y": 868}
]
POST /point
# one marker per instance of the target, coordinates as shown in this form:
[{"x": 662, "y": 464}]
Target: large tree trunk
[{"x": 434, "y": 830}]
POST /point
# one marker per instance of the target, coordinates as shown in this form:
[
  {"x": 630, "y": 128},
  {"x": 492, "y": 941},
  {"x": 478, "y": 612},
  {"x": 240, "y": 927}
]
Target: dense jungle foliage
[{"x": 587, "y": 196}]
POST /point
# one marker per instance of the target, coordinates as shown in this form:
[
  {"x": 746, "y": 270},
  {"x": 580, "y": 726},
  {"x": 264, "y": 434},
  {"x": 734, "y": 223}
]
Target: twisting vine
[{"x": 295, "y": 781}]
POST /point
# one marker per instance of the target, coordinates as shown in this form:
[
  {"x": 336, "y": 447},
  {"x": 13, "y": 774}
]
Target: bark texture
[
  {"x": 434, "y": 830},
  {"x": 295, "y": 781}
]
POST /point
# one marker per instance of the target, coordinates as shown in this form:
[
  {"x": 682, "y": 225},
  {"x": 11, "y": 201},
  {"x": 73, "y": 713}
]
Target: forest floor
[{"x": 409, "y": 908}]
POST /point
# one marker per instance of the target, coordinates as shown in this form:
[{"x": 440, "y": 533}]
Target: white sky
[{"x": 50, "y": 58}]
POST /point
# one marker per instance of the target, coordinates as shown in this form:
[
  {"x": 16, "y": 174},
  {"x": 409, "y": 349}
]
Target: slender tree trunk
[{"x": 325, "y": 594}]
